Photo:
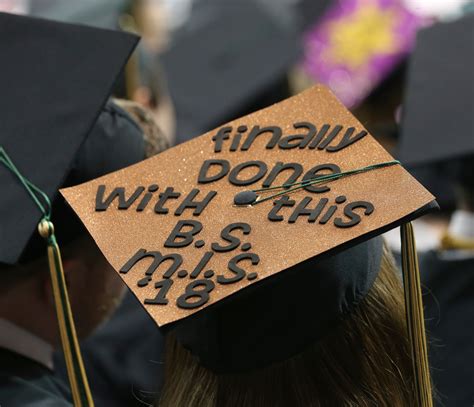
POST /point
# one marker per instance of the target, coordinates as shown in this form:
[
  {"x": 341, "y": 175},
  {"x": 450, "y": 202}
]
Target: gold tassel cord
[
  {"x": 415, "y": 317},
  {"x": 75, "y": 367}
]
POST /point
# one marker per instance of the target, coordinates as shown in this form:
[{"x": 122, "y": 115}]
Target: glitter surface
[{"x": 279, "y": 245}]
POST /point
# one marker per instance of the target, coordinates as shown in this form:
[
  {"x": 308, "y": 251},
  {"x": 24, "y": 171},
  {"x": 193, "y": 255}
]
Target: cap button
[
  {"x": 45, "y": 228},
  {"x": 245, "y": 198}
]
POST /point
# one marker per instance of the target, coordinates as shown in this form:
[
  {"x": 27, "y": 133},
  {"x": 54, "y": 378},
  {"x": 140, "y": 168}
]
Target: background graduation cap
[
  {"x": 437, "y": 127},
  {"x": 222, "y": 59},
  {"x": 358, "y": 44},
  {"x": 190, "y": 237},
  {"x": 55, "y": 80},
  {"x": 438, "y": 120}
]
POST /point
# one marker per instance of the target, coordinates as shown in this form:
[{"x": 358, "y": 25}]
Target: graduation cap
[
  {"x": 357, "y": 44},
  {"x": 284, "y": 203},
  {"x": 437, "y": 122},
  {"x": 222, "y": 58},
  {"x": 55, "y": 81}
]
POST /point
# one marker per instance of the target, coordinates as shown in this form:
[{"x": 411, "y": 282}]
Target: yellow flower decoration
[{"x": 369, "y": 31}]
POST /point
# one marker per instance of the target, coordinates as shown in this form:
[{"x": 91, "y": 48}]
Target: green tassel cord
[
  {"x": 75, "y": 367},
  {"x": 295, "y": 186}
]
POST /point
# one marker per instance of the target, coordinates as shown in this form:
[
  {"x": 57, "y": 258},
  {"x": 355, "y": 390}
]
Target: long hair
[{"x": 365, "y": 361}]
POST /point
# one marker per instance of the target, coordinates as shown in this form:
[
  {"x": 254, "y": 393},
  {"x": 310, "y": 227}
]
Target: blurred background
[{"x": 201, "y": 63}]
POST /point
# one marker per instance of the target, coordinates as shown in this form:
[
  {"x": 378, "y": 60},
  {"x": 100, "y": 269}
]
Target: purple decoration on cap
[{"x": 357, "y": 44}]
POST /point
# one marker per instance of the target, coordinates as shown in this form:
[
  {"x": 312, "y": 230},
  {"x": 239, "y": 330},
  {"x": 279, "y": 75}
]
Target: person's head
[
  {"x": 363, "y": 361},
  {"x": 155, "y": 139},
  {"x": 152, "y": 92},
  {"x": 94, "y": 288}
]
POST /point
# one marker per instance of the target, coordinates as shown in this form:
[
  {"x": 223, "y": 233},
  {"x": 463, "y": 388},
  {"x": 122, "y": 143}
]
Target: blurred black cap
[
  {"x": 55, "y": 79},
  {"x": 438, "y": 111},
  {"x": 226, "y": 54}
]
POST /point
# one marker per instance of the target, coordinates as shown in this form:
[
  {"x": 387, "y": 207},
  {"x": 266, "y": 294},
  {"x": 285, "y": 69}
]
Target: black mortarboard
[
  {"x": 438, "y": 111},
  {"x": 55, "y": 81},
  {"x": 114, "y": 142},
  {"x": 231, "y": 269},
  {"x": 55, "y": 78},
  {"x": 222, "y": 58}
]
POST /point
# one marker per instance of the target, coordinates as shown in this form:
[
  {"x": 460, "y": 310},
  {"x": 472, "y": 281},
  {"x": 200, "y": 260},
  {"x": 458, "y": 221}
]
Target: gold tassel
[
  {"x": 415, "y": 317},
  {"x": 450, "y": 242},
  {"x": 75, "y": 367}
]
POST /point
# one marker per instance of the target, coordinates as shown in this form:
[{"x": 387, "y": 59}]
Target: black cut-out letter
[
  {"x": 331, "y": 136},
  {"x": 277, "y": 205},
  {"x": 312, "y": 174},
  {"x": 257, "y": 131},
  {"x": 279, "y": 168},
  {"x": 238, "y": 272},
  {"x": 198, "y": 206},
  {"x": 202, "y": 263},
  {"x": 347, "y": 140},
  {"x": 262, "y": 170},
  {"x": 298, "y": 140},
  {"x": 158, "y": 258},
  {"x": 312, "y": 214},
  {"x": 354, "y": 217},
  {"x": 160, "y": 299},
  {"x": 203, "y": 178},
  {"x": 119, "y": 193},
  {"x": 321, "y": 133},
  {"x": 222, "y": 134},
  {"x": 192, "y": 292},
  {"x": 180, "y": 238},
  {"x": 226, "y": 235},
  {"x": 163, "y": 197}
]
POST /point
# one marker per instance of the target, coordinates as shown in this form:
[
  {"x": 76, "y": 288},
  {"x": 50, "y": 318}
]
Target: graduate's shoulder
[{"x": 38, "y": 392}]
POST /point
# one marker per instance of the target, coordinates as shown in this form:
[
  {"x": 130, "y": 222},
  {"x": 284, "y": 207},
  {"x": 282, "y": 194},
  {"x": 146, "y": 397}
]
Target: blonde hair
[{"x": 364, "y": 362}]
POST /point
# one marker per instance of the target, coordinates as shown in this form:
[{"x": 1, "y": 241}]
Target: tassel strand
[{"x": 415, "y": 317}]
